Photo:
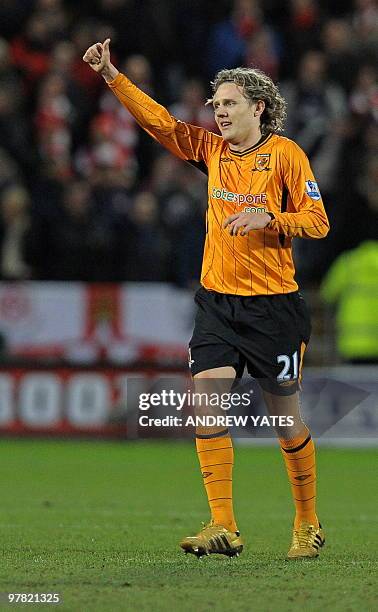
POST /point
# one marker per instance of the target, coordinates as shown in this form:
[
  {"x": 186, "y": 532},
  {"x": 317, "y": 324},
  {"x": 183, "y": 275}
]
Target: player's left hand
[{"x": 245, "y": 222}]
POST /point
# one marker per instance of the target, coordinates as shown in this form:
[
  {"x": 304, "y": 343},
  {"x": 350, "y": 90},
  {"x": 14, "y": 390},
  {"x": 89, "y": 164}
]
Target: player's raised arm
[{"x": 188, "y": 142}]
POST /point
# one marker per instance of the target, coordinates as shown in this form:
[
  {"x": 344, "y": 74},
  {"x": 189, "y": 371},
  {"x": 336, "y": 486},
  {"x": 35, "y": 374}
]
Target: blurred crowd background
[{"x": 86, "y": 195}]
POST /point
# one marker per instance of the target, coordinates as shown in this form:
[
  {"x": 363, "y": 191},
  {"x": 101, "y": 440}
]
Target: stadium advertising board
[{"x": 128, "y": 403}]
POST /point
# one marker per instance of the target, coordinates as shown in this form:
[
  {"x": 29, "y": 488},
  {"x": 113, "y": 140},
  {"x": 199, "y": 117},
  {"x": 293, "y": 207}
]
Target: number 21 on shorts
[{"x": 290, "y": 366}]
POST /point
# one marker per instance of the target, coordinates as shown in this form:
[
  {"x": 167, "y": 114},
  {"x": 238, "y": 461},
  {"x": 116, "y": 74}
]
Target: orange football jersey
[{"x": 272, "y": 176}]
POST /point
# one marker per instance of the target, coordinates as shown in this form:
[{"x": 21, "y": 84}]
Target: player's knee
[
  {"x": 297, "y": 430},
  {"x": 276, "y": 387}
]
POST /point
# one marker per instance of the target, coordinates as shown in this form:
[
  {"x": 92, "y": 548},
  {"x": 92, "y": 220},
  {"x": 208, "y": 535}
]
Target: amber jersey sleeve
[
  {"x": 303, "y": 212},
  {"x": 272, "y": 176},
  {"x": 188, "y": 142}
]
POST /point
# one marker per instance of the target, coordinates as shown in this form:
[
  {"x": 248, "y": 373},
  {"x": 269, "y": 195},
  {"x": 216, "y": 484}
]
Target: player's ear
[{"x": 259, "y": 109}]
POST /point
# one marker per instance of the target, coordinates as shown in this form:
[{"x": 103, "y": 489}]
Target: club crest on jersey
[
  {"x": 262, "y": 162},
  {"x": 312, "y": 190}
]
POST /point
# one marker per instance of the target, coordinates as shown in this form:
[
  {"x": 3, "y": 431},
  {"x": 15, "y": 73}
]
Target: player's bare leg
[
  {"x": 298, "y": 451},
  {"x": 215, "y": 381},
  {"x": 216, "y": 458},
  {"x": 286, "y": 405}
]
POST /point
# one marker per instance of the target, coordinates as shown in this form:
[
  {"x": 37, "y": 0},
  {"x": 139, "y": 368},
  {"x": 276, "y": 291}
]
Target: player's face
[{"x": 234, "y": 114}]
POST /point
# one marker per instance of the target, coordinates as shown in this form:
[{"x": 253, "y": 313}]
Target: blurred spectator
[
  {"x": 9, "y": 170},
  {"x": 182, "y": 195},
  {"x": 352, "y": 285},
  {"x": 14, "y": 224},
  {"x": 14, "y": 128},
  {"x": 140, "y": 72},
  {"x": 30, "y": 49},
  {"x": 364, "y": 96},
  {"x": 110, "y": 146},
  {"x": 193, "y": 18},
  {"x": 148, "y": 242},
  {"x": 63, "y": 56},
  {"x": 54, "y": 15},
  {"x": 357, "y": 212},
  {"x": 301, "y": 33},
  {"x": 82, "y": 36},
  {"x": 79, "y": 243},
  {"x": 365, "y": 23},
  {"x": 341, "y": 51},
  {"x": 227, "y": 38},
  {"x": 316, "y": 116},
  {"x": 163, "y": 173},
  {"x": 47, "y": 188},
  {"x": 138, "y": 69},
  {"x": 8, "y": 74},
  {"x": 262, "y": 52},
  {"x": 367, "y": 190},
  {"x": 54, "y": 120},
  {"x": 304, "y": 15},
  {"x": 113, "y": 189},
  {"x": 191, "y": 106}
]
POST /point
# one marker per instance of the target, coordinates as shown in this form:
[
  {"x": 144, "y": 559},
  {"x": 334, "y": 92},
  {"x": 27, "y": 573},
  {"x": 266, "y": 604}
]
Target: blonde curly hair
[{"x": 257, "y": 85}]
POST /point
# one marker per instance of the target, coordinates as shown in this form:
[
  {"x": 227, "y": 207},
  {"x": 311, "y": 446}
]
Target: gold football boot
[
  {"x": 213, "y": 539},
  {"x": 307, "y": 540}
]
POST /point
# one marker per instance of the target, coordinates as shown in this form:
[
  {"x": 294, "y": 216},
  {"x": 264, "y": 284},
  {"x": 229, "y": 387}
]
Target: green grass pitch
[{"x": 99, "y": 522}]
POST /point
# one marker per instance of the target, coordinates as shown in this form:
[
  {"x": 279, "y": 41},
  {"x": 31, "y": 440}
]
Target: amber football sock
[
  {"x": 299, "y": 457},
  {"x": 216, "y": 458}
]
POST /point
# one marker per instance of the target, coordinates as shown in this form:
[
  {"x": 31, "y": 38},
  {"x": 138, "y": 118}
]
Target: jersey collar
[{"x": 264, "y": 139}]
